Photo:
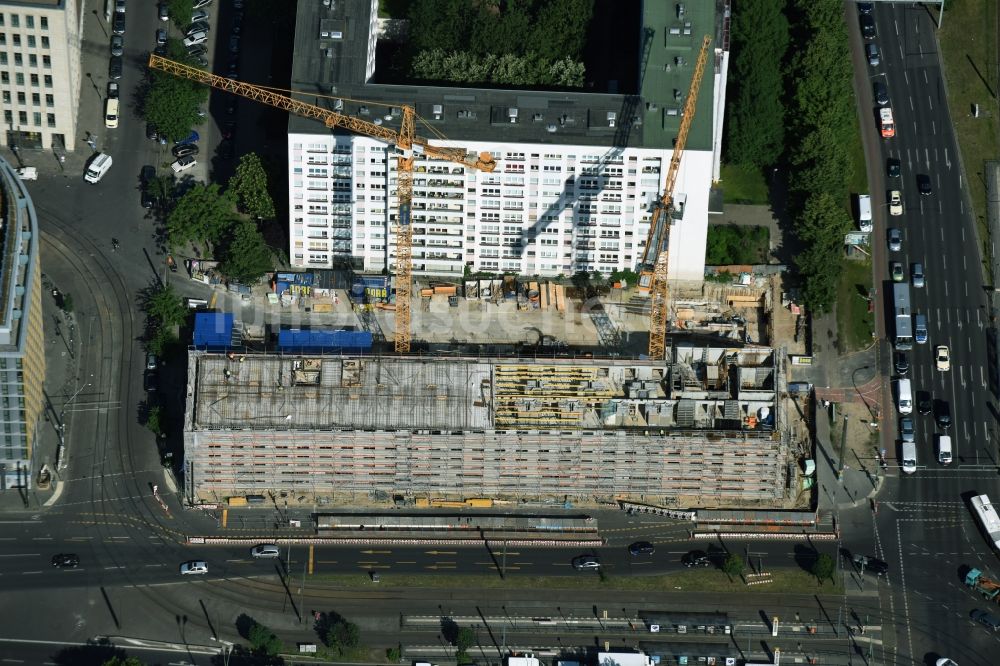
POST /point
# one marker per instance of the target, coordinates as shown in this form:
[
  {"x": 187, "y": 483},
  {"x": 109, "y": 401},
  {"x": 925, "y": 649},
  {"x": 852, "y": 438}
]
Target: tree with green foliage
[
  {"x": 393, "y": 654},
  {"x": 731, "y": 244},
  {"x": 180, "y": 12},
  {"x": 755, "y": 119},
  {"x": 733, "y": 565},
  {"x": 162, "y": 305},
  {"x": 465, "y": 638},
  {"x": 823, "y": 567},
  {"x": 154, "y": 420},
  {"x": 245, "y": 255},
  {"x": 248, "y": 187},
  {"x": 203, "y": 214},
  {"x": 263, "y": 641},
  {"x": 171, "y": 103},
  {"x": 343, "y": 636},
  {"x": 821, "y": 227}
]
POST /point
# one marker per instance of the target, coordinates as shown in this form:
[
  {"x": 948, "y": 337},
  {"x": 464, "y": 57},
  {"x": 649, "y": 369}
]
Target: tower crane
[
  {"x": 404, "y": 139},
  {"x": 653, "y": 270}
]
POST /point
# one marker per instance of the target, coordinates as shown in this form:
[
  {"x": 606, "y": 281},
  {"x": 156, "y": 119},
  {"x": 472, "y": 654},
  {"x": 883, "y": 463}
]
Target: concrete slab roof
[{"x": 333, "y": 66}]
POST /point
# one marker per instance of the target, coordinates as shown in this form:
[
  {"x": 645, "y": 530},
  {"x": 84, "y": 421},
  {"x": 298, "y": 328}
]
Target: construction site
[{"x": 702, "y": 429}]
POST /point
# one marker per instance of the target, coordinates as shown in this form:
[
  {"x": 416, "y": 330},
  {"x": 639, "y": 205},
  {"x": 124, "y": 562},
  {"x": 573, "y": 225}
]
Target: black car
[
  {"x": 641, "y": 548},
  {"x": 902, "y": 363},
  {"x": 881, "y": 93},
  {"x": 146, "y": 176},
  {"x": 184, "y": 149},
  {"x": 151, "y": 132},
  {"x": 228, "y": 129},
  {"x": 924, "y": 402},
  {"x": 150, "y": 381},
  {"x": 696, "y": 558},
  {"x": 226, "y": 149},
  {"x": 942, "y": 413},
  {"x": 115, "y": 64},
  {"x": 866, "y": 7},
  {"x": 892, "y": 167},
  {"x": 65, "y": 561},
  {"x": 867, "y": 26},
  {"x": 118, "y": 24},
  {"x": 924, "y": 184},
  {"x": 871, "y": 565},
  {"x": 198, "y": 26}
]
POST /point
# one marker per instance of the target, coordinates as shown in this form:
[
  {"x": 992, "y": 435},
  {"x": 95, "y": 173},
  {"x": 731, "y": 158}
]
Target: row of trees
[
  {"x": 824, "y": 128},
  {"x": 169, "y": 102},
  {"x": 799, "y": 46},
  {"x": 544, "y": 38}
]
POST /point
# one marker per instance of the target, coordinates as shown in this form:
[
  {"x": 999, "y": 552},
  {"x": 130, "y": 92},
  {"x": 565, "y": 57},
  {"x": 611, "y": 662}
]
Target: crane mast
[
  {"x": 657, "y": 250},
  {"x": 404, "y": 139}
]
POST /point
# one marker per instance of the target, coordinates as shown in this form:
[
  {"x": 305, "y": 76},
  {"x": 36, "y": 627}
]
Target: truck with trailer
[
  {"x": 903, "y": 312},
  {"x": 978, "y": 581}
]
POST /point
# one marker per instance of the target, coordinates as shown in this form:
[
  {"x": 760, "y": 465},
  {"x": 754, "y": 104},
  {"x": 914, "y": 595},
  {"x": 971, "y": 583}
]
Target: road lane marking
[
  {"x": 409, "y": 562},
  {"x": 30, "y": 573},
  {"x": 326, "y": 561},
  {"x": 312, "y": 558},
  {"x": 21, "y": 555}
]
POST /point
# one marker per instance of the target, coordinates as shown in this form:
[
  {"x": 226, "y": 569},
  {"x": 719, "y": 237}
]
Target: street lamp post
[{"x": 227, "y": 649}]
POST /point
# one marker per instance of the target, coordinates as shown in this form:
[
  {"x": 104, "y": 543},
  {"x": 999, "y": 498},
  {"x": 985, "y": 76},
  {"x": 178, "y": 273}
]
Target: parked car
[
  {"x": 183, "y": 164},
  {"x": 120, "y": 6},
  {"x": 866, "y": 7},
  {"x": 161, "y": 36},
  {"x": 112, "y": 90},
  {"x": 942, "y": 358},
  {"x": 147, "y": 174},
  {"x": 198, "y": 4},
  {"x": 881, "y": 93},
  {"x": 585, "y": 562},
  {"x": 115, "y": 68},
  {"x": 163, "y": 12},
  {"x": 196, "y": 38},
  {"x": 151, "y": 132},
  {"x": 201, "y": 61},
  {"x": 65, "y": 561},
  {"x": 197, "y": 50},
  {"x": 117, "y": 45},
  {"x": 118, "y": 24},
  {"x": 892, "y": 168},
  {"x": 184, "y": 149},
  {"x": 234, "y": 44},
  {"x": 199, "y": 15},
  {"x": 150, "y": 358},
  {"x": 226, "y": 150},
  {"x": 198, "y": 26},
  {"x": 194, "y": 567},
  {"x": 146, "y": 199},
  {"x": 150, "y": 381},
  {"x": 641, "y": 548}
]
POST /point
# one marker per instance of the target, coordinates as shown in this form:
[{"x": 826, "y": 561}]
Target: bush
[{"x": 263, "y": 640}]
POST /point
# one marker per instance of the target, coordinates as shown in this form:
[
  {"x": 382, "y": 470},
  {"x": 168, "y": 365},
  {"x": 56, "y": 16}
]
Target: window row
[
  {"x": 29, "y": 21},
  {"x": 36, "y": 98},
  {"x": 36, "y": 118},
  {"x": 19, "y": 79}
]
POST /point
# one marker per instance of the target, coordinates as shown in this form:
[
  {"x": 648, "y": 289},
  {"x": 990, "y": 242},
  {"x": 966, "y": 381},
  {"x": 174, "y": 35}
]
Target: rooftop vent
[
  {"x": 338, "y": 104},
  {"x": 363, "y": 110},
  {"x": 673, "y": 111},
  {"x": 438, "y": 111},
  {"x": 678, "y": 93},
  {"x": 512, "y": 114},
  {"x": 612, "y": 118},
  {"x": 674, "y": 30},
  {"x": 551, "y": 129},
  {"x": 680, "y": 61},
  {"x": 680, "y": 11},
  {"x": 687, "y": 28},
  {"x": 537, "y": 117}
]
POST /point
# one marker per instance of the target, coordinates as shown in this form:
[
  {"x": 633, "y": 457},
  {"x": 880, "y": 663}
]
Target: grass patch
[
  {"x": 743, "y": 185},
  {"x": 855, "y": 324},
  {"x": 968, "y": 47},
  {"x": 732, "y": 244},
  {"x": 700, "y": 580},
  {"x": 859, "y": 168}
]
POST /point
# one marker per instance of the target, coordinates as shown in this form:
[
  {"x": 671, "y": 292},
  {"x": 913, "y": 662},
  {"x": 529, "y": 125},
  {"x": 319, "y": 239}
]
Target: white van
[
  {"x": 944, "y": 449},
  {"x": 904, "y": 396},
  {"x": 865, "y": 212},
  {"x": 97, "y": 168},
  {"x": 908, "y": 461},
  {"x": 920, "y": 328}
]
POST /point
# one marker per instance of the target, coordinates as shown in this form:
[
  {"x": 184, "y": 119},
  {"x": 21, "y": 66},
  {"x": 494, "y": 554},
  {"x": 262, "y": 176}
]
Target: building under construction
[{"x": 700, "y": 429}]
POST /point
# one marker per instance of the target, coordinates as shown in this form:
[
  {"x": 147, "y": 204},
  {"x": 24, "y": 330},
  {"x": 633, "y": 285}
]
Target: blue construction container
[
  {"x": 324, "y": 340},
  {"x": 213, "y": 330}
]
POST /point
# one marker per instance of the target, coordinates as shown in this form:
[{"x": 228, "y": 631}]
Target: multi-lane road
[{"x": 924, "y": 528}]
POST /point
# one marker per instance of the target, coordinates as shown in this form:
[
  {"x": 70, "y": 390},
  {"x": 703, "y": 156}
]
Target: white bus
[{"x": 988, "y": 518}]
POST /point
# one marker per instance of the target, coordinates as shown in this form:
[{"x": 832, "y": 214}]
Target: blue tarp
[
  {"x": 324, "y": 339},
  {"x": 213, "y": 330}
]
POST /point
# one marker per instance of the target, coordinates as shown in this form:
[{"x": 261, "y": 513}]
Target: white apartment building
[
  {"x": 562, "y": 198},
  {"x": 40, "y": 72}
]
